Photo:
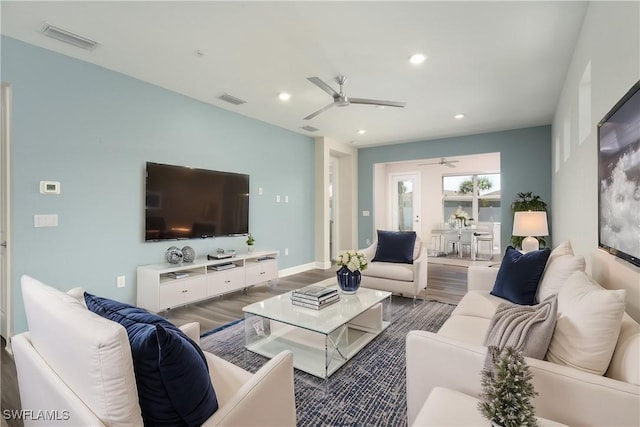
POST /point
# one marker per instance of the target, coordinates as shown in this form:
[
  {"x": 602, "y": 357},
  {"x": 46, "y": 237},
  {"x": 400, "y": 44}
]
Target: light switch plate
[{"x": 49, "y": 187}]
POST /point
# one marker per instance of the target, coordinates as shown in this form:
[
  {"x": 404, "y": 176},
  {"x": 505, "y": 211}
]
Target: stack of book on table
[{"x": 314, "y": 296}]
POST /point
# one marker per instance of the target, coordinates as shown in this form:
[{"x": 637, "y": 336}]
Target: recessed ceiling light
[
  {"x": 284, "y": 96},
  {"x": 417, "y": 58},
  {"x": 459, "y": 116},
  {"x": 361, "y": 131}
]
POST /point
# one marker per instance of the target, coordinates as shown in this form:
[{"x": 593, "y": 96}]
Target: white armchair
[
  {"x": 408, "y": 280},
  {"x": 77, "y": 367}
]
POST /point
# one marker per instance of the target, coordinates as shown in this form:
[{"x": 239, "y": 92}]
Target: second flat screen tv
[
  {"x": 188, "y": 203},
  {"x": 619, "y": 178}
]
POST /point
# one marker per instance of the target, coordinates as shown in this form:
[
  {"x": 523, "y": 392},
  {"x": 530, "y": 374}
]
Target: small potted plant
[
  {"x": 250, "y": 242},
  {"x": 507, "y": 389}
]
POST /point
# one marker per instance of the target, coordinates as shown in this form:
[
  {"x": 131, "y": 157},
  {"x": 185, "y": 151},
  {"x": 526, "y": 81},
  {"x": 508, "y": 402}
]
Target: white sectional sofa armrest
[
  {"x": 41, "y": 388},
  {"x": 192, "y": 330},
  {"x": 265, "y": 399},
  {"x": 565, "y": 395},
  {"x": 481, "y": 278}
]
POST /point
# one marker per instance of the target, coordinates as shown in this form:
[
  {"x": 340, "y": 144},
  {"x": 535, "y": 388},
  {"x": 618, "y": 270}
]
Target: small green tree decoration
[{"x": 507, "y": 389}]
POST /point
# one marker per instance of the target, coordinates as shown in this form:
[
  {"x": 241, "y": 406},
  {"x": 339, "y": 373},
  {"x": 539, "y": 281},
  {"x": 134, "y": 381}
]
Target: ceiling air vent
[
  {"x": 309, "y": 128},
  {"x": 231, "y": 99},
  {"x": 68, "y": 37}
]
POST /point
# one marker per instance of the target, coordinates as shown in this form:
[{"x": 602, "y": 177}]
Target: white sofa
[
  {"x": 75, "y": 368},
  {"x": 405, "y": 279},
  {"x": 454, "y": 357}
]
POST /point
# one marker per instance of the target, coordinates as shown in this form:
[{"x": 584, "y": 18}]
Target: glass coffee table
[{"x": 321, "y": 340}]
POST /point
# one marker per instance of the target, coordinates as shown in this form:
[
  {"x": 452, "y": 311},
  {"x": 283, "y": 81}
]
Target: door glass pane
[{"x": 405, "y": 205}]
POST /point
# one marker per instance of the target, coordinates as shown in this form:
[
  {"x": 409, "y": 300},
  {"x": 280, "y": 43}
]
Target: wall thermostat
[{"x": 49, "y": 187}]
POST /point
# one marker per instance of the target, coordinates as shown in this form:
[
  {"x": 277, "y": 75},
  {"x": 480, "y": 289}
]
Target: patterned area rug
[{"x": 370, "y": 390}]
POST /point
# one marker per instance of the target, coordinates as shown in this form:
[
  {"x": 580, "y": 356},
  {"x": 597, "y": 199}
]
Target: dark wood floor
[{"x": 446, "y": 283}]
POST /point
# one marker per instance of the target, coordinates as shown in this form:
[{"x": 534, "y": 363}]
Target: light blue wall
[
  {"x": 93, "y": 130},
  {"x": 525, "y": 163}
]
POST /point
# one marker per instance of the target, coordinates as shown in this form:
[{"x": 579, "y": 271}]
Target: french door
[{"x": 405, "y": 202}]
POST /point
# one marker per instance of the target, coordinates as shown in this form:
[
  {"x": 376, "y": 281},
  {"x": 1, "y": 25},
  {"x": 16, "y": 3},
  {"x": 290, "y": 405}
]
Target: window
[{"x": 476, "y": 195}]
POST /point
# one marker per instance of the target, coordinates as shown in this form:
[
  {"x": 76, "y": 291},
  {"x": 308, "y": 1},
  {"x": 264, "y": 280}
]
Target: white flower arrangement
[
  {"x": 460, "y": 214},
  {"x": 354, "y": 261}
]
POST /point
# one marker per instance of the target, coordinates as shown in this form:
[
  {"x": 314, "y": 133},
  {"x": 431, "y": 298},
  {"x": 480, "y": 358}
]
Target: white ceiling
[{"x": 502, "y": 64}]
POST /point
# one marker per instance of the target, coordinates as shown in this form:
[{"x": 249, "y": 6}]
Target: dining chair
[{"x": 484, "y": 241}]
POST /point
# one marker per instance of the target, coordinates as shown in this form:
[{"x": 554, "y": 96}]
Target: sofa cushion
[
  {"x": 562, "y": 249},
  {"x": 468, "y": 329},
  {"x": 526, "y": 328},
  {"x": 519, "y": 275},
  {"x": 624, "y": 364},
  {"x": 395, "y": 246},
  {"x": 89, "y": 353},
  {"x": 390, "y": 270},
  {"x": 171, "y": 371},
  {"x": 479, "y": 304},
  {"x": 556, "y": 273},
  {"x": 588, "y": 324}
]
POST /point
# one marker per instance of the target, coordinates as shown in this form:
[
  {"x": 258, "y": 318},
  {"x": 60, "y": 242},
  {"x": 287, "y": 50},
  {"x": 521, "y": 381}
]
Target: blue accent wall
[
  {"x": 93, "y": 130},
  {"x": 525, "y": 163}
]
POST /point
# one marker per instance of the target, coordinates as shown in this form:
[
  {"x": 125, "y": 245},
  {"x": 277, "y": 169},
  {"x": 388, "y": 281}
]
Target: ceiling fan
[
  {"x": 341, "y": 100},
  {"x": 442, "y": 161}
]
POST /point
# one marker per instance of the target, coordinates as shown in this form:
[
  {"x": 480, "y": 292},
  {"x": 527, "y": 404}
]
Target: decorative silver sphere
[
  {"x": 188, "y": 254},
  {"x": 173, "y": 255}
]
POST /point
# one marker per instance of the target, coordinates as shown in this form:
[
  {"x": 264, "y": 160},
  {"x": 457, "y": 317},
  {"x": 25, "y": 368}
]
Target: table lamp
[{"x": 530, "y": 224}]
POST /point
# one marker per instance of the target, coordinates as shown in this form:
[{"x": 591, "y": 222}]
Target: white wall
[
  {"x": 605, "y": 64},
  {"x": 345, "y": 200}
]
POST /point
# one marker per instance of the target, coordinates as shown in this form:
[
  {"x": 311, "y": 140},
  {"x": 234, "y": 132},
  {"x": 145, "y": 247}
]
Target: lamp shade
[{"x": 530, "y": 224}]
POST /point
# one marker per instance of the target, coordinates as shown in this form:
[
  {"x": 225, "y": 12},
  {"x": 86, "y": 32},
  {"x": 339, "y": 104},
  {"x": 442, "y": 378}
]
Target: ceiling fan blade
[
  {"x": 322, "y": 85},
  {"x": 377, "y": 102},
  {"x": 449, "y": 164},
  {"x": 323, "y": 109}
]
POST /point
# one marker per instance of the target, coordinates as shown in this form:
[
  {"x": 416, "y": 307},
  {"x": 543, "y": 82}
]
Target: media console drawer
[{"x": 263, "y": 271}]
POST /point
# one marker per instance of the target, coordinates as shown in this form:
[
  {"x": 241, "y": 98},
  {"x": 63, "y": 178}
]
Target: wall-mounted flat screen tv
[
  {"x": 619, "y": 178},
  {"x": 187, "y": 203}
]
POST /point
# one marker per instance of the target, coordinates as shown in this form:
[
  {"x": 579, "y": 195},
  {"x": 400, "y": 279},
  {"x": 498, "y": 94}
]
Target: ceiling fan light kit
[{"x": 340, "y": 99}]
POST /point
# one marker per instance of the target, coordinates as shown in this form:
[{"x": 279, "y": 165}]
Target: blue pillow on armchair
[
  {"x": 519, "y": 275},
  {"x": 395, "y": 246},
  {"x": 172, "y": 376}
]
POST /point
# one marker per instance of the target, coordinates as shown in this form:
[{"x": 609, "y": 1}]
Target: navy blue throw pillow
[
  {"x": 172, "y": 376},
  {"x": 395, "y": 246},
  {"x": 519, "y": 275}
]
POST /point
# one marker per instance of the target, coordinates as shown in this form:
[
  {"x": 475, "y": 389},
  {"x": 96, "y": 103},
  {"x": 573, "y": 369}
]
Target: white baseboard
[
  {"x": 302, "y": 268},
  {"x": 323, "y": 265},
  {"x": 297, "y": 269}
]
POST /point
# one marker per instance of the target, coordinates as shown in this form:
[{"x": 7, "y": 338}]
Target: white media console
[{"x": 164, "y": 286}]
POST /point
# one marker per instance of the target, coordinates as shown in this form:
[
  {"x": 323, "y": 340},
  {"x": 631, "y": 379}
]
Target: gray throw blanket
[{"x": 526, "y": 328}]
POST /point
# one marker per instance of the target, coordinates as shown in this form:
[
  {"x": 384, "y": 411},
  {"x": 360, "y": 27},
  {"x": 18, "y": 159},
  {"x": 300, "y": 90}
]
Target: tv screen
[
  {"x": 619, "y": 178},
  {"x": 188, "y": 203}
]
